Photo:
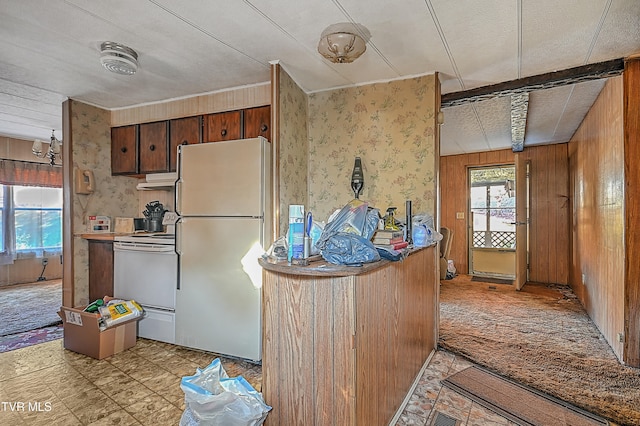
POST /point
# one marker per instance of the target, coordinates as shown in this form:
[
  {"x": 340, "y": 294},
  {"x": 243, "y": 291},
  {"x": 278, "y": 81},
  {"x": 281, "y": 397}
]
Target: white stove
[
  {"x": 146, "y": 270},
  {"x": 146, "y": 238}
]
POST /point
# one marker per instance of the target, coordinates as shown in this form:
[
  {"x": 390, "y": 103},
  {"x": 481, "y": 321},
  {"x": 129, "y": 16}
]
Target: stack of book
[{"x": 388, "y": 239}]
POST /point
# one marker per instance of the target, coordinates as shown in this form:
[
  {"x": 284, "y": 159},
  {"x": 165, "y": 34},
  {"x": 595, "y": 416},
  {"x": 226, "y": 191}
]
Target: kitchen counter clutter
[
  {"x": 320, "y": 267},
  {"x": 346, "y": 343}
]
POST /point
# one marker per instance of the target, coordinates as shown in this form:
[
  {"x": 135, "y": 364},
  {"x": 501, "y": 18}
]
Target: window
[{"x": 31, "y": 220}]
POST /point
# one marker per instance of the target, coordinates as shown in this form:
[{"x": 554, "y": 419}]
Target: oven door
[{"x": 147, "y": 274}]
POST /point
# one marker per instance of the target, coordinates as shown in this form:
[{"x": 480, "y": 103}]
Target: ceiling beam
[
  {"x": 519, "y": 108},
  {"x": 549, "y": 80}
]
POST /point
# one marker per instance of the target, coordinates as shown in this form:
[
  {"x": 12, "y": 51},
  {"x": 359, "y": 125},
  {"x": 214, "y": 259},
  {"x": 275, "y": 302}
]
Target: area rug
[
  {"x": 30, "y": 338},
  {"x": 541, "y": 337},
  {"x": 28, "y": 307},
  {"x": 518, "y": 403}
]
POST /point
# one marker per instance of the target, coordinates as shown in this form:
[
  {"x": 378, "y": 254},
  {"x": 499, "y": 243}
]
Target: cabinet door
[
  {"x": 100, "y": 269},
  {"x": 182, "y": 131},
  {"x": 124, "y": 156},
  {"x": 257, "y": 122},
  {"x": 222, "y": 126},
  {"x": 153, "y": 148}
]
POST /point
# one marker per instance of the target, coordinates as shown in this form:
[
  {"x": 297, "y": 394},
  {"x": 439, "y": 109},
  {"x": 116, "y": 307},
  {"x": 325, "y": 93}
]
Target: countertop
[
  {"x": 99, "y": 236},
  {"x": 109, "y": 236},
  {"x": 323, "y": 268}
]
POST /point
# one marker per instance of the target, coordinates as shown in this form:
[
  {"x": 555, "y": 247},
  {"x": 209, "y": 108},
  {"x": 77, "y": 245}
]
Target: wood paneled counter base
[{"x": 344, "y": 347}]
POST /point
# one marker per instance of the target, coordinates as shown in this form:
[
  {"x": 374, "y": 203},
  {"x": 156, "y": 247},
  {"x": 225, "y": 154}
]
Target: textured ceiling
[{"x": 49, "y": 51}]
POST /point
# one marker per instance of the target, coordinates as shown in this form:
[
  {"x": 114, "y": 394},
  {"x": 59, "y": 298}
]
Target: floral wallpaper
[
  {"x": 293, "y": 144},
  {"x": 114, "y": 195},
  {"x": 391, "y": 126}
]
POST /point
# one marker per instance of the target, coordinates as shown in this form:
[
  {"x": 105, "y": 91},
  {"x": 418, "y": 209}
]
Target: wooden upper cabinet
[
  {"x": 257, "y": 122},
  {"x": 182, "y": 131},
  {"x": 153, "y": 148},
  {"x": 124, "y": 155},
  {"x": 222, "y": 126}
]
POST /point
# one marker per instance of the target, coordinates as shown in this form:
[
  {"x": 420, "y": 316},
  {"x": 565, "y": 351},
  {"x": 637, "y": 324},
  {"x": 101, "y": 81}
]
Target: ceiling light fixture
[
  {"x": 54, "y": 151},
  {"x": 343, "y": 43},
  {"x": 118, "y": 58}
]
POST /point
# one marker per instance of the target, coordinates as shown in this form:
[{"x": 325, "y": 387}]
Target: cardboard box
[{"x": 82, "y": 334}]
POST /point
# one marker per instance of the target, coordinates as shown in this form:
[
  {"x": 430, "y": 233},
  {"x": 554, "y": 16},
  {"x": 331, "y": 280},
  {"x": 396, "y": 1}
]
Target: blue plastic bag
[
  {"x": 345, "y": 240},
  {"x": 212, "y": 398},
  {"x": 349, "y": 249}
]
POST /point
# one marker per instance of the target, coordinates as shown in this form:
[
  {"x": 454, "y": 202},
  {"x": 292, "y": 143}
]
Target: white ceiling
[{"x": 49, "y": 51}]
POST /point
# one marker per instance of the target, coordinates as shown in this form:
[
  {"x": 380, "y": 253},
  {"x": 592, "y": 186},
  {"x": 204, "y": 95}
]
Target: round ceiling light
[
  {"x": 342, "y": 47},
  {"x": 118, "y": 58},
  {"x": 344, "y": 42}
]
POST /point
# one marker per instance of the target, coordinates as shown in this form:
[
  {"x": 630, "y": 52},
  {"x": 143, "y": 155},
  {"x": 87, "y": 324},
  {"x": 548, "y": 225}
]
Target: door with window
[{"x": 492, "y": 228}]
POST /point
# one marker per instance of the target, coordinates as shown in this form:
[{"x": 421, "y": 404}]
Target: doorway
[{"x": 492, "y": 228}]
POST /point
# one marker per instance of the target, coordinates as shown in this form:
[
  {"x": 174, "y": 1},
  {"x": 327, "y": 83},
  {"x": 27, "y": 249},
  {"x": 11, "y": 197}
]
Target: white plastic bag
[
  {"x": 214, "y": 399},
  {"x": 423, "y": 233}
]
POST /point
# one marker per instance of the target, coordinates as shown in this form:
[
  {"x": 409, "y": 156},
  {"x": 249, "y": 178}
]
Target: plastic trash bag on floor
[
  {"x": 345, "y": 240},
  {"x": 212, "y": 398}
]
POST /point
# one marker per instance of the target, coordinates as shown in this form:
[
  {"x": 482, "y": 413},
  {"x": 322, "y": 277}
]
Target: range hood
[{"x": 158, "y": 181}]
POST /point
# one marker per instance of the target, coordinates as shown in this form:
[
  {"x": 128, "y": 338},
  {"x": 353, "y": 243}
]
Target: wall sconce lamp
[
  {"x": 343, "y": 43},
  {"x": 54, "y": 151}
]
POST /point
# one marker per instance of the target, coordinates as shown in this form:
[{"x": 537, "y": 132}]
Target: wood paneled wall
[
  {"x": 632, "y": 211},
  {"x": 549, "y": 213},
  {"x": 549, "y": 229},
  {"x": 596, "y": 161},
  {"x": 454, "y": 197},
  {"x": 225, "y": 100}
]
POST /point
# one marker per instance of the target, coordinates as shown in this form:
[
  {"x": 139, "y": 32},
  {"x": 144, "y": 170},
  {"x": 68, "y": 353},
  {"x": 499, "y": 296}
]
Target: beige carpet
[
  {"x": 26, "y": 307},
  {"x": 541, "y": 337}
]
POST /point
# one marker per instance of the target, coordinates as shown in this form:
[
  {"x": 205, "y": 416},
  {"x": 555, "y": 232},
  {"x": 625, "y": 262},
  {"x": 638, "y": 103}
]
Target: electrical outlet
[
  {"x": 621, "y": 337},
  {"x": 459, "y": 215},
  {"x": 45, "y": 261}
]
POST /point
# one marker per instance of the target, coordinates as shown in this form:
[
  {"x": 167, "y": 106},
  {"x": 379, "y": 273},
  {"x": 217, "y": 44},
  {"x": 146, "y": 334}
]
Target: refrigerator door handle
[
  {"x": 178, "y": 249},
  {"x": 178, "y": 233},
  {"x": 178, "y": 185},
  {"x": 178, "y": 196}
]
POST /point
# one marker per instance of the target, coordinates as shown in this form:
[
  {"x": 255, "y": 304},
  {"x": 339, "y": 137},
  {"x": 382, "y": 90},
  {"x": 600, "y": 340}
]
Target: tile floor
[
  {"x": 47, "y": 385},
  {"x": 430, "y": 398}
]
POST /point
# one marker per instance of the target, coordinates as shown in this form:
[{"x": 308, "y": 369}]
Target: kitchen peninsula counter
[{"x": 343, "y": 345}]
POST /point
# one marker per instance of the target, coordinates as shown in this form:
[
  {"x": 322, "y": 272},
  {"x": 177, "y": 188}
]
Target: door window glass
[{"x": 493, "y": 207}]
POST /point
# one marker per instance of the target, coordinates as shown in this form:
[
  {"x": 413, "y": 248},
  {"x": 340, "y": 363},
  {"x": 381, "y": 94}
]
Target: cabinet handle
[
  {"x": 152, "y": 147},
  {"x": 263, "y": 128},
  {"x": 123, "y": 149},
  {"x": 224, "y": 132}
]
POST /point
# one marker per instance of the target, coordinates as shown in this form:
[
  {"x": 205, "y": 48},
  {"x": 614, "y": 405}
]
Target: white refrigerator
[{"x": 223, "y": 199}]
